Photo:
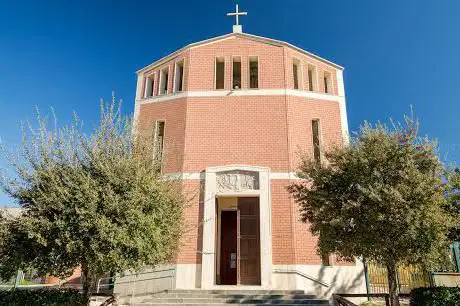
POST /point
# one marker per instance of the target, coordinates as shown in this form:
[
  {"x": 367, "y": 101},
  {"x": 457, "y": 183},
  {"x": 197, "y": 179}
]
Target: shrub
[
  {"x": 42, "y": 297},
  {"x": 437, "y": 296}
]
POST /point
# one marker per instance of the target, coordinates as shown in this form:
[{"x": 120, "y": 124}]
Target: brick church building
[{"x": 231, "y": 116}]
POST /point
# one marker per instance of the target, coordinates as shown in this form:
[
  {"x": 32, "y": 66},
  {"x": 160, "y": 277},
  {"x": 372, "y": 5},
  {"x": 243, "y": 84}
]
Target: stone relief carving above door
[{"x": 237, "y": 181}]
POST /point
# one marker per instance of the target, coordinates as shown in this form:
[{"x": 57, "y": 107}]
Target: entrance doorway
[
  {"x": 238, "y": 233},
  {"x": 228, "y": 250}
]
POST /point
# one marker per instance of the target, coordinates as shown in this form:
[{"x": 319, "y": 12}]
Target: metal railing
[
  {"x": 110, "y": 283},
  {"x": 30, "y": 286},
  {"x": 408, "y": 278},
  {"x": 291, "y": 271}
]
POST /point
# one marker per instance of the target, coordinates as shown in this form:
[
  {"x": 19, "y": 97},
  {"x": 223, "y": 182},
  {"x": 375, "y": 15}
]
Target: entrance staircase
[{"x": 227, "y": 297}]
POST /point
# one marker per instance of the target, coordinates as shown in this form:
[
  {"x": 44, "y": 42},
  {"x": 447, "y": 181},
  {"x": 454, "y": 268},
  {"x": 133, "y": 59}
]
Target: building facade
[{"x": 230, "y": 117}]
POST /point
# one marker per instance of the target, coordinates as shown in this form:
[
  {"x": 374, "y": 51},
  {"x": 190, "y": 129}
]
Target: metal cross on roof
[{"x": 237, "y": 14}]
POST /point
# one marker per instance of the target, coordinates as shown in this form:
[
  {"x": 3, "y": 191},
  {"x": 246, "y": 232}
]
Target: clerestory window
[
  {"x": 236, "y": 73},
  {"x": 163, "y": 89},
  {"x": 220, "y": 73},
  {"x": 149, "y": 86},
  {"x": 253, "y": 72},
  {"x": 315, "y": 127},
  {"x": 158, "y": 140},
  {"x": 179, "y": 77},
  {"x": 295, "y": 74}
]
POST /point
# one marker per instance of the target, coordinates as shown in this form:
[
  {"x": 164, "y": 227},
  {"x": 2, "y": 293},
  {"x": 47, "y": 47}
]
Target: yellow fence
[{"x": 409, "y": 277}]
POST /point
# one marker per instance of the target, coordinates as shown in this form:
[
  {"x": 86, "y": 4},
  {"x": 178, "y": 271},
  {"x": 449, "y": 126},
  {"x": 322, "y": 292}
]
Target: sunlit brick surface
[{"x": 258, "y": 130}]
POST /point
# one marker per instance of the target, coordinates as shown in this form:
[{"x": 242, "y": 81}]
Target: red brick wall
[
  {"x": 282, "y": 224},
  {"x": 265, "y": 130},
  {"x": 275, "y": 65},
  {"x": 305, "y": 60},
  {"x": 292, "y": 241},
  {"x": 236, "y": 130},
  {"x": 192, "y": 239},
  {"x": 212, "y": 131},
  {"x": 170, "y": 64},
  {"x": 173, "y": 113},
  {"x": 271, "y": 67},
  {"x": 301, "y": 112}
]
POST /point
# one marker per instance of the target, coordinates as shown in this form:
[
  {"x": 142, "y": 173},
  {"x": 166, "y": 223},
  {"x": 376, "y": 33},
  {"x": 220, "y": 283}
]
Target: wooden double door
[{"x": 240, "y": 243}]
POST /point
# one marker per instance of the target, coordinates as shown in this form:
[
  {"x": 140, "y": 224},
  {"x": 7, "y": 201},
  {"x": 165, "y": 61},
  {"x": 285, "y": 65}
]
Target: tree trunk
[
  {"x": 87, "y": 281},
  {"x": 393, "y": 284}
]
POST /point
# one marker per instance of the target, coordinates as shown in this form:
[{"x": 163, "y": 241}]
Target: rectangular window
[
  {"x": 311, "y": 78},
  {"x": 158, "y": 140},
  {"x": 325, "y": 260},
  {"x": 253, "y": 72},
  {"x": 149, "y": 86},
  {"x": 220, "y": 73},
  {"x": 327, "y": 82},
  {"x": 295, "y": 72},
  {"x": 236, "y": 73},
  {"x": 315, "y": 128},
  {"x": 179, "y": 77},
  {"x": 164, "y": 81}
]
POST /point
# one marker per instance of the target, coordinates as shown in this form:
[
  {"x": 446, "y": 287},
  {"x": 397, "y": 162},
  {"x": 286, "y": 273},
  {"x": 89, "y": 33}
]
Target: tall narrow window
[
  {"x": 253, "y": 72},
  {"x": 158, "y": 140},
  {"x": 236, "y": 73},
  {"x": 179, "y": 77},
  {"x": 295, "y": 72},
  {"x": 220, "y": 73},
  {"x": 164, "y": 81},
  {"x": 327, "y": 82},
  {"x": 311, "y": 78},
  {"x": 315, "y": 128},
  {"x": 149, "y": 86},
  {"x": 325, "y": 260}
]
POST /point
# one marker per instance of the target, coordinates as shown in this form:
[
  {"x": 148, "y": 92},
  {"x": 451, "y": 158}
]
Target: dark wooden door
[
  {"x": 248, "y": 241},
  {"x": 228, "y": 252}
]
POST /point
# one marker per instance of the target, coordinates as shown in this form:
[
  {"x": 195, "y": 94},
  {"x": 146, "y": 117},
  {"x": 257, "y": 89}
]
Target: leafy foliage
[
  {"x": 437, "y": 296},
  {"x": 380, "y": 198},
  {"x": 95, "y": 201},
  {"x": 453, "y": 196},
  {"x": 42, "y": 297}
]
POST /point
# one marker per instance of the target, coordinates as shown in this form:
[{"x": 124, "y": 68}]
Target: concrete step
[
  {"x": 177, "y": 297},
  {"x": 237, "y": 291},
  {"x": 213, "y": 304},
  {"x": 250, "y": 300},
  {"x": 233, "y": 296}
]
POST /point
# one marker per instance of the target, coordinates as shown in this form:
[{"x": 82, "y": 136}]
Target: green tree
[
  {"x": 92, "y": 201},
  {"x": 453, "y": 196},
  {"x": 380, "y": 198}
]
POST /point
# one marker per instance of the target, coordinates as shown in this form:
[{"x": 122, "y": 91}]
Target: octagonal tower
[{"x": 230, "y": 116}]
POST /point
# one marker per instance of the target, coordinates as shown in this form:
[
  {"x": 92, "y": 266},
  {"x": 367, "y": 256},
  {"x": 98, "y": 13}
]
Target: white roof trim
[{"x": 243, "y": 35}]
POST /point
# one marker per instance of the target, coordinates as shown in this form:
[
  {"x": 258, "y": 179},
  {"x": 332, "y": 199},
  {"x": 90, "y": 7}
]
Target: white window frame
[
  {"x": 149, "y": 79},
  {"x": 217, "y": 58},
  {"x": 315, "y": 77},
  {"x": 155, "y": 139},
  {"x": 297, "y": 62},
  {"x": 176, "y": 70},
  {"x": 330, "y": 82},
  {"x": 241, "y": 71},
  {"x": 160, "y": 81},
  {"x": 320, "y": 138}
]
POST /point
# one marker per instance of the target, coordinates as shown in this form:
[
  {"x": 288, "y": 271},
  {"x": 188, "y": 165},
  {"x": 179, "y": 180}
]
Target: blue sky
[{"x": 69, "y": 54}]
